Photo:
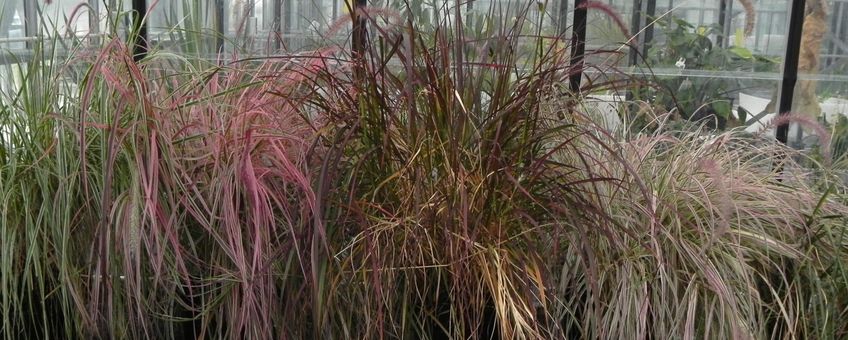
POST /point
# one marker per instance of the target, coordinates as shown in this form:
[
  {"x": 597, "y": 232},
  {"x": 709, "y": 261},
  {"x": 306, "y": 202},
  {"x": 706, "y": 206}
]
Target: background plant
[{"x": 692, "y": 48}]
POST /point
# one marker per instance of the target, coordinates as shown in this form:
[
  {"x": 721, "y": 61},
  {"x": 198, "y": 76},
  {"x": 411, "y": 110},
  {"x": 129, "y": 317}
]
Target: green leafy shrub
[{"x": 697, "y": 98}]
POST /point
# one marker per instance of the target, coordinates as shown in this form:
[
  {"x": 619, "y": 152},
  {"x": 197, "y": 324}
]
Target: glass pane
[
  {"x": 266, "y": 26},
  {"x": 64, "y": 17},
  {"x": 305, "y": 22},
  {"x": 714, "y": 63},
  {"x": 602, "y": 31},
  {"x": 183, "y": 25},
  {"x": 251, "y": 25},
  {"x": 607, "y": 36},
  {"x": 821, "y": 94},
  {"x": 12, "y": 27}
]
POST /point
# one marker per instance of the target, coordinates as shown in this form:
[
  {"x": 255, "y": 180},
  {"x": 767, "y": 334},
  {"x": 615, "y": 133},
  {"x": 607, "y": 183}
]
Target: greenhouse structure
[{"x": 424, "y": 169}]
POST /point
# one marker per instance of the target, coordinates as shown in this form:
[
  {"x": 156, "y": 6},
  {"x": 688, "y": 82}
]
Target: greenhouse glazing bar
[
  {"x": 94, "y": 19},
  {"x": 643, "y": 11},
  {"x": 789, "y": 75},
  {"x": 724, "y": 13},
  {"x": 650, "y": 12},
  {"x": 578, "y": 45},
  {"x": 31, "y": 22},
  {"x": 635, "y": 25},
  {"x": 139, "y": 8},
  {"x": 359, "y": 34},
  {"x": 219, "y": 26},
  {"x": 790, "y": 66},
  {"x": 562, "y": 17},
  {"x": 278, "y": 25}
]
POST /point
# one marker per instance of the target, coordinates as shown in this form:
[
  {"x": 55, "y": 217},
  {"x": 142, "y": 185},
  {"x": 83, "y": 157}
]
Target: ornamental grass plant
[{"x": 442, "y": 182}]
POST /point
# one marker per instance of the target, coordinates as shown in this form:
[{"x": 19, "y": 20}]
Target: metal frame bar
[
  {"x": 562, "y": 18},
  {"x": 31, "y": 21},
  {"x": 790, "y": 66},
  {"x": 30, "y": 39},
  {"x": 287, "y": 22},
  {"x": 724, "y": 11},
  {"x": 139, "y": 8},
  {"x": 636, "y": 21},
  {"x": 94, "y": 18},
  {"x": 836, "y": 22},
  {"x": 359, "y": 34},
  {"x": 277, "y": 25},
  {"x": 639, "y": 22},
  {"x": 650, "y": 10},
  {"x": 578, "y": 44},
  {"x": 643, "y": 42},
  {"x": 219, "y": 27}
]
